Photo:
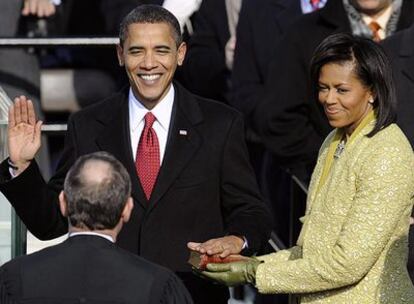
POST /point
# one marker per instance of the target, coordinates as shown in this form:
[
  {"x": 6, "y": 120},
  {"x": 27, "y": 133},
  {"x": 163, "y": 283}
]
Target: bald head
[
  {"x": 96, "y": 190},
  {"x": 95, "y": 172}
]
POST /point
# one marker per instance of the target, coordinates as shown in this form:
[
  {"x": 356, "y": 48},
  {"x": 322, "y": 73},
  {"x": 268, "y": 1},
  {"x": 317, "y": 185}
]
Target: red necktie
[
  {"x": 375, "y": 27},
  {"x": 315, "y": 4},
  {"x": 147, "y": 161}
]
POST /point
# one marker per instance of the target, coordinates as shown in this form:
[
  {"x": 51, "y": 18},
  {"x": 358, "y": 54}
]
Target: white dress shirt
[
  {"x": 105, "y": 236},
  {"x": 162, "y": 112},
  {"x": 382, "y": 21}
]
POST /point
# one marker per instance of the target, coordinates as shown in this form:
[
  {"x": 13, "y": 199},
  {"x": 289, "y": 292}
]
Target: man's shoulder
[
  {"x": 210, "y": 109},
  {"x": 141, "y": 266}
]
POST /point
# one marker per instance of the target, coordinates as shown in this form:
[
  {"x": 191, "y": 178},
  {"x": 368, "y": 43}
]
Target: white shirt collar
[
  {"x": 105, "y": 236},
  {"x": 162, "y": 111}
]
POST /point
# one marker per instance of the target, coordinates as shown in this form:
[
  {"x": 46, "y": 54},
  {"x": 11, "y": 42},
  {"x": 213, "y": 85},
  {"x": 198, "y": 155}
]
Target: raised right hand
[{"x": 23, "y": 133}]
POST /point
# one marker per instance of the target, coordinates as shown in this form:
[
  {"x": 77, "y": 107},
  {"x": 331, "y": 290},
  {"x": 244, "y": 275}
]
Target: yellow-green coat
[{"x": 353, "y": 243}]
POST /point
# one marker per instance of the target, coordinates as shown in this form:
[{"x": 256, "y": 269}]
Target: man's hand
[
  {"x": 39, "y": 8},
  {"x": 411, "y": 220},
  {"x": 23, "y": 133},
  {"x": 233, "y": 274},
  {"x": 224, "y": 246}
]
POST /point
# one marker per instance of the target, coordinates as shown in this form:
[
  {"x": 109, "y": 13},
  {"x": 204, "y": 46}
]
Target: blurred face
[
  {"x": 371, "y": 7},
  {"x": 150, "y": 56},
  {"x": 344, "y": 97}
]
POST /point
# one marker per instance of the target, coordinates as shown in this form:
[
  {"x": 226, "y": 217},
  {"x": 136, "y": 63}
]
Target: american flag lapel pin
[{"x": 183, "y": 132}]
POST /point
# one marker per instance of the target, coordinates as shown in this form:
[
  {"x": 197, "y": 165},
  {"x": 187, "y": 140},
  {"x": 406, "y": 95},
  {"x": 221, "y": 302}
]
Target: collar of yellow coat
[{"x": 339, "y": 133}]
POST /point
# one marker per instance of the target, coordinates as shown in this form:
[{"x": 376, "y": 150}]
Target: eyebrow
[
  {"x": 158, "y": 47},
  {"x": 335, "y": 85}
]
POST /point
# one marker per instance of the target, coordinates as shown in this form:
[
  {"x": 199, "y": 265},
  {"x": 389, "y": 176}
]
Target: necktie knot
[
  {"x": 375, "y": 27},
  {"x": 149, "y": 120}
]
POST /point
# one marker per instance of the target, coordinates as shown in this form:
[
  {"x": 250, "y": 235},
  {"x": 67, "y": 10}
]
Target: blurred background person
[
  {"x": 291, "y": 123},
  {"x": 353, "y": 243},
  {"x": 261, "y": 25},
  {"x": 207, "y": 68},
  {"x": 400, "y": 48}
]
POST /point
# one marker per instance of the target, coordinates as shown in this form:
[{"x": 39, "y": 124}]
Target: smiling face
[
  {"x": 346, "y": 100},
  {"x": 150, "y": 56}
]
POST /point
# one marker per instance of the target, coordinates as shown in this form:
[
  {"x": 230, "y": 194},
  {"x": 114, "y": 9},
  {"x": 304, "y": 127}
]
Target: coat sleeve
[
  {"x": 292, "y": 253},
  {"x": 9, "y": 285},
  {"x": 244, "y": 210},
  {"x": 383, "y": 200}
]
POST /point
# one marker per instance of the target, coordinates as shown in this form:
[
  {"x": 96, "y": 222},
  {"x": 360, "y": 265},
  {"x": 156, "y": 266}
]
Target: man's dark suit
[
  {"x": 293, "y": 124},
  {"x": 204, "y": 71},
  {"x": 88, "y": 269},
  {"x": 256, "y": 46},
  {"x": 400, "y": 49},
  {"x": 205, "y": 187}
]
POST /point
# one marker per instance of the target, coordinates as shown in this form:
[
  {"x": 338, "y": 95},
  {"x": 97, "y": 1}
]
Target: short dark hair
[
  {"x": 150, "y": 13},
  {"x": 96, "y": 202},
  {"x": 371, "y": 66}
]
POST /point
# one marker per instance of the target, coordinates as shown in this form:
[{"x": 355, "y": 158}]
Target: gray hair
[{"x": 96, "y": 189}]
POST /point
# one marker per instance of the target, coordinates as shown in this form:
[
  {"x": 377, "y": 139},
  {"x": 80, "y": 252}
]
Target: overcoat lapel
[
  {"x": 115, "y": 139},
  {"x": 184, "y": 141}
]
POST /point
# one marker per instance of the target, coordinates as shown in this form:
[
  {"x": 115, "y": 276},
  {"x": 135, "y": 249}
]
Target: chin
[{"x": 336, "y": 124}]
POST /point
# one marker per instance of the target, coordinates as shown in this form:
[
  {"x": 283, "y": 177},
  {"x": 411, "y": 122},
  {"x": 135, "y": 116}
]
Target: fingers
[
  {"x": 37, "y": 134},
  {"x": 31, "y": 115},
  {"x": 23, "y": 111},
  {"x": 193, "y": 246},
  {"x": 210, "y": 247},
  {"x": 212, "y": 275},
  {"x": 26, "y": 8},
  {"x": 218, "y": 267},
  {"x": 40, "y": 8},
  {"x": 224, "y": 246},
  {"x": 50, "y": 10},
  {"x": 12, "y": 121},
  {"x": 32, "y": 6}
]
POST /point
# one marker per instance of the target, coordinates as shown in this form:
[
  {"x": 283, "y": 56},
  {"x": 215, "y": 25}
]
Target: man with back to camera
[
  {"x": 88, "y": 267},
  {"x": 191, "y": 179}
]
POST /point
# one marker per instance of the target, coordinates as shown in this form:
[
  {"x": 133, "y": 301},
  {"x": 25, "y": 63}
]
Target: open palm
[{"x": 23, "y": 132}]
